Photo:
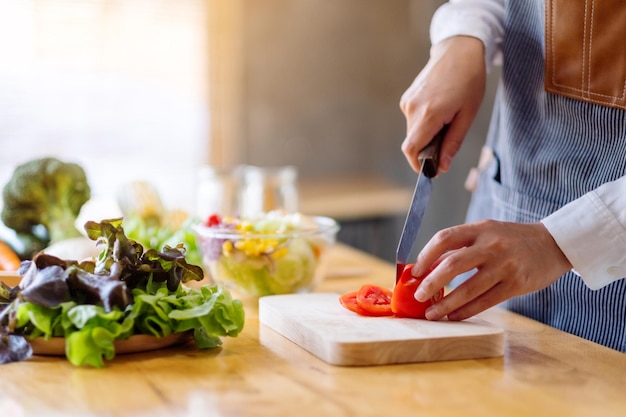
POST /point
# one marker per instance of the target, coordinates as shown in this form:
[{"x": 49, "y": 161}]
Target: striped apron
[{"x": 548, "y": 150}]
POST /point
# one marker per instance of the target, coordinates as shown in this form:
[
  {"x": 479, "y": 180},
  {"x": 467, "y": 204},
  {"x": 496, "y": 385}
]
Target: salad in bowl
[{"x": 273, "y": 253}]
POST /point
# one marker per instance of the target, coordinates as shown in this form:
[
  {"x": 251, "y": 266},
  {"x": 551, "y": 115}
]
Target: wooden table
[{"x": 544, "y": 372}]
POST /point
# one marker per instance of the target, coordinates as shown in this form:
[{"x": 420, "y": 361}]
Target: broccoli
[{"x": 45, "y": 194}]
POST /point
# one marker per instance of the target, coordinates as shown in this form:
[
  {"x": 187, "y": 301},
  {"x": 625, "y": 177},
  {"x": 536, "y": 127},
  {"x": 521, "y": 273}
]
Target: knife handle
[{"x": 429, "y": 156}]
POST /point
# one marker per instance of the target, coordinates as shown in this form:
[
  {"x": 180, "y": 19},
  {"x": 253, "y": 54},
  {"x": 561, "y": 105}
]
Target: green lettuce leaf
[{"x": 126, "y": 292}]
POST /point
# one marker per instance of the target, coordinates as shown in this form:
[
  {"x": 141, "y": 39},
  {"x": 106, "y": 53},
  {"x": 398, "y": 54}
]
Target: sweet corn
[
  {"x": 253, "y": 246},
  {"x": 279, "y": 253},
  {"x": 227, "y": 248}
]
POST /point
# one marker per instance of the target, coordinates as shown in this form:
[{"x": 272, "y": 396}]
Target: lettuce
[
  {"x": 285, "y": 272},
  {"x": 126, "y": 292},
  {"x": 91, "y": 331}
]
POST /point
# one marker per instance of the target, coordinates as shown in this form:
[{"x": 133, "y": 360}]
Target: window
[{"x": 119, "y": 86}]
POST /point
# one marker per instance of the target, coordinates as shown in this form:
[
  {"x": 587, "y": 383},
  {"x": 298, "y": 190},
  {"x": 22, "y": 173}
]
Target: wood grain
[
  {"x": 319, "y": 324},
  {"x": 543, "y": 373}
]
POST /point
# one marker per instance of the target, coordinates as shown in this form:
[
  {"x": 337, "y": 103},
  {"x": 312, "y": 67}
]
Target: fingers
[
  {"x": 510, "y": 259},
  {"x": 424, "y": 124},
  {"x": 449, "y": 266},
  {"x": 450, "y": 253},
  {"x": 448, "y": 91},
  {"x": 419, "y": 135},
  {"x": 445, "y": 240},
  {"x": 453, "y": 140},
  {"x": 480, "y": 292},
  {"x": 492, "y": 297}
]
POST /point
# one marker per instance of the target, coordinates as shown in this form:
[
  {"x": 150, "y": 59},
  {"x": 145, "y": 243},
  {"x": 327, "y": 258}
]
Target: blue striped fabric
[{"x": 548, "y": 151}]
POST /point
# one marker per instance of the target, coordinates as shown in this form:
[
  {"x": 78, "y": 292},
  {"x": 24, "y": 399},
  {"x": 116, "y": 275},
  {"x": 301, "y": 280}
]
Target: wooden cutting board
[{"x": 319, "y": 324}]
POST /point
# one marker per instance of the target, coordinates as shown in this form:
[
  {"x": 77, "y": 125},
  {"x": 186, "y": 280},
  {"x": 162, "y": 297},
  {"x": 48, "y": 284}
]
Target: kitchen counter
[
  {"x": 544, "y": 372},
  {"x": 352, "y": 198},
  {"x": 370, "y": 209}
]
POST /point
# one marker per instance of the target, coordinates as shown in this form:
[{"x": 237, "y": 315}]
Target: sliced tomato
[
  {"x": 403, "y": 302},
  {"x": 368, "y": 300},
  {"x": 374, "y": 299},
  {"x": 348, "y": 300}
]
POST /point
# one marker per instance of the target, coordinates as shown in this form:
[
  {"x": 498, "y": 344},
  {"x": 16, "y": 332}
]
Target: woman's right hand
[{"x": 448, "y": 91}]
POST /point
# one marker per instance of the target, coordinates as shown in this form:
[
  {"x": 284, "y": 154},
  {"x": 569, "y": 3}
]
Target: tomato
[
  {"x": 368, "y": 300},
  {"x": 213, "y": 220},
  {"x": 348, "y": 300},
  {"x": 403, "y": 302},
  {"x": 374, "y": 299}
]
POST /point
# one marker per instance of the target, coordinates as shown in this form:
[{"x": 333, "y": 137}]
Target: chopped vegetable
[
  {"x": 9, "y": 260},
  {"x": 43, "y": 199},
  {"x": 348, "y": 300},
  {"x": 374, "y": 300},
  {"x": 368, "y": 300},
  {"x": 275, "y": 253},
  {"x": 403, "y": 302},
  {"x": 126, "y": 291}
]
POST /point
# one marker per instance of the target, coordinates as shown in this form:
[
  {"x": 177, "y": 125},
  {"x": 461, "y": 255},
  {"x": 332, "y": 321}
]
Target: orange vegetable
[
  {"x": 374, "y": 300},
  {"x": 403, "y": 302},
  {"x": 368, "y": 300},
  {"x": 9, "y": 261},
  {"x": 348, "y": 300}
]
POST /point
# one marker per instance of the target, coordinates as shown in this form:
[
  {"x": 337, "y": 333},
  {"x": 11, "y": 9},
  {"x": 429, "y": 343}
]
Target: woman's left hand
[{"x": 509, "y": 259}]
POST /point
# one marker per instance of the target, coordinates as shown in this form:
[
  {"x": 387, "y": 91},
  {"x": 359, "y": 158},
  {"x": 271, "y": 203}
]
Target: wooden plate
[
  {"x": 11, "y": 278},
  {"x": 55, "y": 346}
]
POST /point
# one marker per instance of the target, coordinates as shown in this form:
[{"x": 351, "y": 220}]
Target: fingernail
[
  {"x": 431, "y": 313},
  {"x": 420, "y": 295},
  {"x": 446, "y": 160}
]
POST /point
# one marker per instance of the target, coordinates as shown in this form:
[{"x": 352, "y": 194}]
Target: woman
[{"x": 546, "y": 228}]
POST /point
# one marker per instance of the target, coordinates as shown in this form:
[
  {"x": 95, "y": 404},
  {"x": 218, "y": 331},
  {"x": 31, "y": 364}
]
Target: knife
[{"x": 429, "y": 163}]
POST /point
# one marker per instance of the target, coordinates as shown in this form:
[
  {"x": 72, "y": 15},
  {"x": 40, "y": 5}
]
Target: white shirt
[{"x": 591, "y": 230}]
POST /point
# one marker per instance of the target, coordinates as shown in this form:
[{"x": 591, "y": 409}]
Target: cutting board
[{"x": 318, "y": 323}]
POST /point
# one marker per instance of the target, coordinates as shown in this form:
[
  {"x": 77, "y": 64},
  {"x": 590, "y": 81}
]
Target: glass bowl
[{"x": 272, "y": 254}]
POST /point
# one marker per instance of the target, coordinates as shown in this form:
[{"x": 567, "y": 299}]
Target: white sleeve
[
  {"x": 591, "y": 232},
  {"x": 482, "y": 19}
]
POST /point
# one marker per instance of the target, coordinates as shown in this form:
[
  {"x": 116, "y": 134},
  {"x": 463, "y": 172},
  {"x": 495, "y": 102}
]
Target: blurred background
[{"x": 156, "y": 89}]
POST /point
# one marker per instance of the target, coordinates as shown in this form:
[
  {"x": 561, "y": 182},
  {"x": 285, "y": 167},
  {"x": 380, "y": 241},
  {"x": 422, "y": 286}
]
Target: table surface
[{"x": 544, "y": 372}]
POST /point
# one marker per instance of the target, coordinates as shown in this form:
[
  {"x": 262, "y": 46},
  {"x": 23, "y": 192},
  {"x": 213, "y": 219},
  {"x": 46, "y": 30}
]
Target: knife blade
[{"x": 429, "y": 164}]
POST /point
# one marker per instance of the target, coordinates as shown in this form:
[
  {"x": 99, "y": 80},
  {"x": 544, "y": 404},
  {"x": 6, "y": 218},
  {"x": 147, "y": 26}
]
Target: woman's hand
[
  {"x": 448, "y": 91},
  {"x": 510, "y": 259}
]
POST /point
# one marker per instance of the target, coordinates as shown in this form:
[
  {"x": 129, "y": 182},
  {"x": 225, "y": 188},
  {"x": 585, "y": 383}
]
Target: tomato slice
[
  {"x": 374, "y": 299},
  {"x": 403, "y": 302},
  {"x": 369, "y": 300},
  {"x": 348, "y": 300}
]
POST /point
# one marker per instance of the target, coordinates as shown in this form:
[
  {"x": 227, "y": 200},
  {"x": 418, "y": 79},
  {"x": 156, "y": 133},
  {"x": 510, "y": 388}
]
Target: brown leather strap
[{"x": 586, "y": 50}]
